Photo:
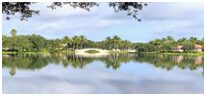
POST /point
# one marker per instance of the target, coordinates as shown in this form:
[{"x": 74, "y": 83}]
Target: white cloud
[
  {"x": 49, "y": 25},
  {"x": 70, "y": 19},
  {"x": 172, "y": 11},
  {"x": 158, "y": 19}
]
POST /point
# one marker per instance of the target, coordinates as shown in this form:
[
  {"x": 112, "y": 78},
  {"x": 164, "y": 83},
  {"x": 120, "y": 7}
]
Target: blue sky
[{"x": 158, "y": 20}]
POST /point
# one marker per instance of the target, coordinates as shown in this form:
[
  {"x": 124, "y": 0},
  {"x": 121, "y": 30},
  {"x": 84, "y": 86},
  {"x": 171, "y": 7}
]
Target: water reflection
[{"x": 115, "y": 61}]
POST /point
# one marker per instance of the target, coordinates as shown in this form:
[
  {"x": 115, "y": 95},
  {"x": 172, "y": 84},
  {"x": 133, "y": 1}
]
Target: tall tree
[
  {"x": 82, "y": 40},
  {"x": 76, "y": 42},
  {"x": 116, "y": 41},
  {"x": 156, "y": 42},
  {"x": 57, "y": 44},
  {"x": 193, "y": 40},
  {"x": 108, "y": 41},
  {"x": 67, "y": 42},
  {"x": 38, "y": 42},
  {"x": 181, "y": 41},
  {"x": 188, "y": 46},
  {"x": 13, "y": 32}
]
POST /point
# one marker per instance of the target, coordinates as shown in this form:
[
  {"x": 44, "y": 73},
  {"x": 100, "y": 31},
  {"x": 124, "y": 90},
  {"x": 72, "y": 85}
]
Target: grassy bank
[
  {"x": 5, "y": 52},
  {"x": 118, "y": 52},
  {"x": 24, "y": 52},
  {"x": 173, "y": 53},
  {"x": 9, "y": 53}
]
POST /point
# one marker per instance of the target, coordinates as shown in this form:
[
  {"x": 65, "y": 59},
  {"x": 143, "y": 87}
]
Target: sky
[{"x": 158, "y": 20}]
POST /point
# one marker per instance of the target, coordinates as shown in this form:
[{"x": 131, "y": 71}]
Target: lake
[{"x": 116, "y": 73}]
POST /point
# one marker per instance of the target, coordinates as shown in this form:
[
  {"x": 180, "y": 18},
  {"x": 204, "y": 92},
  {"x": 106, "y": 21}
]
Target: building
[
  {"x": 198, "y": 48},
  {"x": 178, "y": 48}
]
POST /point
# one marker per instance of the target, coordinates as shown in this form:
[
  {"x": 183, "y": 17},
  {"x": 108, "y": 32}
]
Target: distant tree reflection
[{"x": 114, "y": 61}]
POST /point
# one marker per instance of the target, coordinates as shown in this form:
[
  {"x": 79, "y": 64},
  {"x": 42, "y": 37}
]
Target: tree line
[
  {"x": 34, "y": 43},
  {"x": 168, "y": 44}
]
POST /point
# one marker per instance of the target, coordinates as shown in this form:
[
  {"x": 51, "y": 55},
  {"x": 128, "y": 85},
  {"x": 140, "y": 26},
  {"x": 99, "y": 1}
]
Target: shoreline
[
  {"x": 173, "y": 53},
  {"x": 103, "y": 53}
]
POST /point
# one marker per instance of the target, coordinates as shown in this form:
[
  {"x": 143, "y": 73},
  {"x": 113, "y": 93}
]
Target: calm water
[{"x": 128, "y": 73}]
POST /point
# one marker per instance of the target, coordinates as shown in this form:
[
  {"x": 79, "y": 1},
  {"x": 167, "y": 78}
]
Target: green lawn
[{"x": 92, "y": 51}]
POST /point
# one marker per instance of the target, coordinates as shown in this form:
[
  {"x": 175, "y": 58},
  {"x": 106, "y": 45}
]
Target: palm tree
[
  {"x": 72, "y": 43},
  {"x": 156, "y": 42},
  {"x": 181, "y": 41},
  {"x": 124, "y": 44},
  {"x": 127, "y": 44},
  {"x": 169, "y": 38},
  {"x": 13, "y": 32},
  {"x": 116, "y": 41},
  {"x": 76, "y": 42},
  {"x": 68, "y": 41},
  {"x": 108, "y": 42},
  {"x": 13, "y": 39},
  {"x": 57, "y": 44},
  {"x": 82, "y": 40},
  {"x": 65, "y": 41},
  {"x": 193, "y": 40}
]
